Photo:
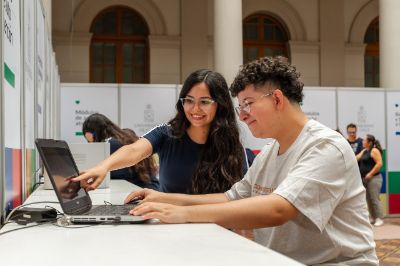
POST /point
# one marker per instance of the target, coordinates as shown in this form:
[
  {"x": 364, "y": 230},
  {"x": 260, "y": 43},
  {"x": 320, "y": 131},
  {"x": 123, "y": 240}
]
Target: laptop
[{"x": 74, "y": 200}]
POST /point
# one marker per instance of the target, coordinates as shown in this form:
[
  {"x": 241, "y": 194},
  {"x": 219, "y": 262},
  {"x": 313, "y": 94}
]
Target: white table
[{"x": 129, "y": 244}]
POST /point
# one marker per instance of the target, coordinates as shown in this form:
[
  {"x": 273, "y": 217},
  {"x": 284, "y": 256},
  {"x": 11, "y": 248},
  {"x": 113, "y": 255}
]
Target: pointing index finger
[{"x": 81, "y": 177}]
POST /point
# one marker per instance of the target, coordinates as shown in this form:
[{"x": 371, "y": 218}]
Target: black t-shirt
[
  {"x": 128, "y": 173},
  {"x": 366, "y": 163},
  {"x": 250, "y": 156},
  {"x": 356, "y": 145},
  {"x": 178, "y": 158}
]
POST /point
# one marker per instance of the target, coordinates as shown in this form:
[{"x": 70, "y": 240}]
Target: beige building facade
[{"x": 325, "y": 38}]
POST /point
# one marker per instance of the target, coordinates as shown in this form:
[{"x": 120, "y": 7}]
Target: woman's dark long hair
[
  {"x": 103, "y": 128},
  {"x": 221, "y": 161},
  {"x": 375, "y": 143}
]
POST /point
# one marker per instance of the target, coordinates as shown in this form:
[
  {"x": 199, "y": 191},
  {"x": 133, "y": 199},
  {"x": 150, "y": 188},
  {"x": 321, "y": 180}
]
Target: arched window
[
  {"x": 371, "y": 59},
  {"x": 119, "y": 51},
  {"x": 263, "y": 35}
]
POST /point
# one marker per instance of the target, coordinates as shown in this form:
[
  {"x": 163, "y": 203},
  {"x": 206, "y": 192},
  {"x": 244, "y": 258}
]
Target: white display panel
[
  {"x": 320, "y": 104},
  {"x": 146, "y": 106},
  {"x": 12, "y": 71},
  {"x": 54, "y": 101},
  {"x": 78, "y": 101},
  {"x": 29, "y": 71},
  {"x": 365, "y": 108},
  {"x": 12, "y": 103},
  {"x": 393, "y": 131},
  {"x": 2, "y": 153},
  {"x": 11, "y": 77},
  {"x": 47, "y": 92},
  {"x": 58, "y": 105},
  {"x": 40, "y": 69}
]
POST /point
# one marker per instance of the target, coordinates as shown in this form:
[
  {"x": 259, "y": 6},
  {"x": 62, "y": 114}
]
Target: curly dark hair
[
  {"x": 221, "y": 161},
  {"x": 103, "y": 128},
  {"x": 274, "y": 72}
]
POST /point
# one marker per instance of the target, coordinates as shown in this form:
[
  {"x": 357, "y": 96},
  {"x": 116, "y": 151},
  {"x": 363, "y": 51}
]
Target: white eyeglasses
[
  {"x": 189, "y": 102},
  {"x": 246, "y": 107}
]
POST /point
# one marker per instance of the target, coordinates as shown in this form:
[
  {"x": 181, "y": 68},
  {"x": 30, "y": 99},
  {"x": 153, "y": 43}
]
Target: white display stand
[
  {"x": 145, "y": 106},
  {"x": 365, "y": 108},
  {"x": 78, "y": 101},
  {"x": 320, "y": 104}
]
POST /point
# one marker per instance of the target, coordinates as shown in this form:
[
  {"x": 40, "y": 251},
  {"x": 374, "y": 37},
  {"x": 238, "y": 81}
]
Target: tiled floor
[
  {"x": 388, "y": 252},
  {"x": 388, "y": 242}
]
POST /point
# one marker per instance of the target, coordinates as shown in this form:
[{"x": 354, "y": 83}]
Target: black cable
[
  {"x": 55, "y": 223},
  {"x": 24, "y": 205},
  {"x": 107, "y": 203},
  {"x": 37, "y": 183},
  {"x": 65, "y": 223},
  {"x": 58, "y": 212}
]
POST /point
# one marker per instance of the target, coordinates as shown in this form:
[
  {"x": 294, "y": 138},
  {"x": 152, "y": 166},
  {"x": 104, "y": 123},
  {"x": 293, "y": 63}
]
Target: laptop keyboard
[{"x": 111, "y": 210}]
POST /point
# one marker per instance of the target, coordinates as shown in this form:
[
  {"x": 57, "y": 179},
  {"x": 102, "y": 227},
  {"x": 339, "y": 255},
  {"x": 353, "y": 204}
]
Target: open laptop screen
[{"x": 62, "y": 169}]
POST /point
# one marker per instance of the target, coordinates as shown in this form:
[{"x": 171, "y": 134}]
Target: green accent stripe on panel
[
  {"x": 394, "y": 182},
  {"x": 9, "y": 75},
  {"x": 383, "y": 168},
  {"x": 78, "y": 133}
]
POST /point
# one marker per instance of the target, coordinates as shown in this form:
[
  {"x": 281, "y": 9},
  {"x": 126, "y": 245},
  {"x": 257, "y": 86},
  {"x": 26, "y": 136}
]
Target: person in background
[
  {"x": 300, "y": 195},
  {"x": 370, "y": 161},
  {"x": 354, "y": 141},
  {"x": 199, "y": 149},
  {"x": 131, "y": 133},
  {"x": 98, "y": 128}
]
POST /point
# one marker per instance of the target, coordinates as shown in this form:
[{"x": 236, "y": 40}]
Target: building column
[
  {"x": 47, "y": 10},
  {"x": 71, "y": 55},
  {"x": 354, "y": 64},
  {"x": 164, "y": 59},
  {"x": 305, "y": 56},
  {"x": 389, "y": 43},
  {"x": 194, "y": 36},
  {"x": 228, "y": 41},
  {"x": 332, "y": 42}
]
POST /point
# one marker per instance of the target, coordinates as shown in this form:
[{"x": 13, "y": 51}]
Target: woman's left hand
[
  {"x": 166, "y": 213},
  {"x": 368, "y": 177}
]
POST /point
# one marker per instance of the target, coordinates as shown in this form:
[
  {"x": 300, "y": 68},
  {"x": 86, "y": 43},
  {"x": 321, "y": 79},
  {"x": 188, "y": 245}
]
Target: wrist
[
  {"x": 163, "y": 197},
  {"x": 105, "y": 166},
  {"x": 187, "y": 214}
]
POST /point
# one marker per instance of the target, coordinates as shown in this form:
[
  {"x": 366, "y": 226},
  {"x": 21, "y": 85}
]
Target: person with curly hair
[
  {"x": 199, "y": 149},
  {"x": 300, "y": 195},
  {"x": 99, "y": 128}
]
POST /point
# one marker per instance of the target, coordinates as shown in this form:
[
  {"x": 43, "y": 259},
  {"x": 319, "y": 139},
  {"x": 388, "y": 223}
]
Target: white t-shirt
[{"x": 319, "y": 175}]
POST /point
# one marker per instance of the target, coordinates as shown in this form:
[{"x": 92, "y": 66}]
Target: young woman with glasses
[
  {"x": 98, "y": 128},
  {"x": 199, "y": 149}
]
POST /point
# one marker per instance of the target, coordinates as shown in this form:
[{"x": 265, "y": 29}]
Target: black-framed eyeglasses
[
  {"x": 246, "y": 106},
  {"x": 189, "y": 102}
]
